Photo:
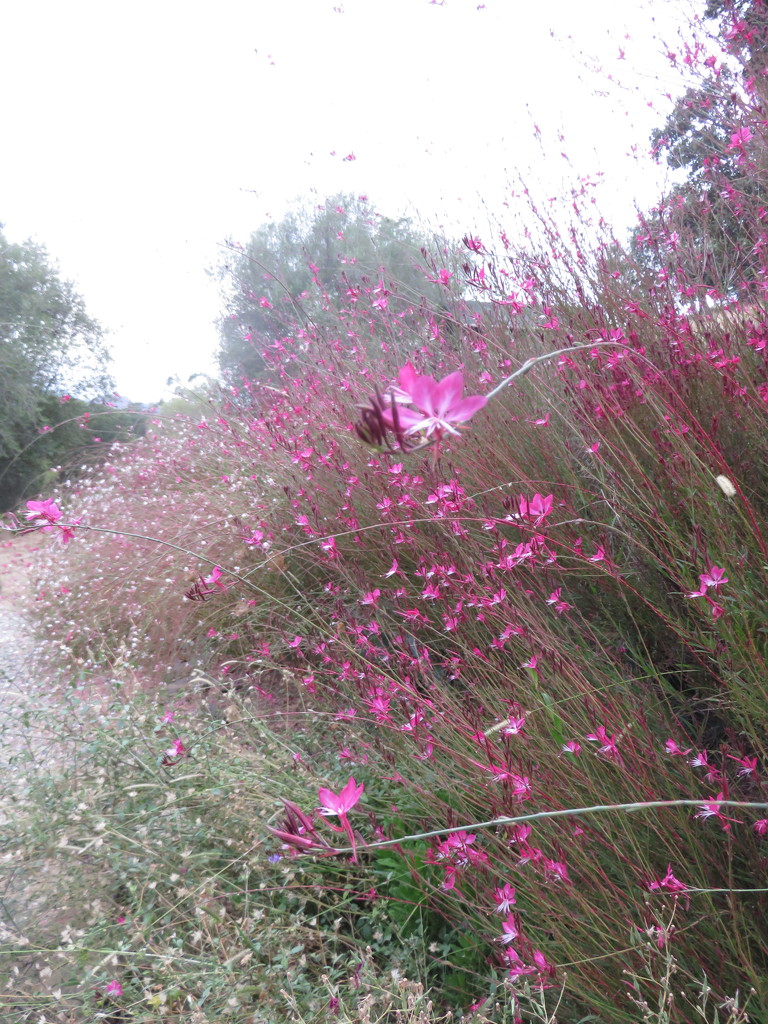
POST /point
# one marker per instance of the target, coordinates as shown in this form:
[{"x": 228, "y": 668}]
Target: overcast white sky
[{"x": 136, "y": 138}]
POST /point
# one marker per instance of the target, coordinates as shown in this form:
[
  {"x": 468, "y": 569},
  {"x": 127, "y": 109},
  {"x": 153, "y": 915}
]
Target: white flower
[{"x": 725, "y": 486}]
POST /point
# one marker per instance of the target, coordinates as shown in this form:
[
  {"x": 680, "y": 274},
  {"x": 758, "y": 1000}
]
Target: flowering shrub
[{"x": 487, "y": 606}]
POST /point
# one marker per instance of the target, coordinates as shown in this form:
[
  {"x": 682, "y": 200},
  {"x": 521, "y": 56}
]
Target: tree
[
  {"x": 709, "y": 227},
  {"x": 293, "y": 271},
  {"x": 48, "y": 343},
  {"x": 48, "y": 346}
]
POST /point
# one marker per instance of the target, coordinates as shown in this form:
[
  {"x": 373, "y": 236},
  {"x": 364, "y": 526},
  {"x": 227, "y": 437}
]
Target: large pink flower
[
  {"x": 440, "y": 404},
  {"x": 47, "y": 511},
  {"x": 338, "y": 804},
  {"x": 345, "y": 800}
]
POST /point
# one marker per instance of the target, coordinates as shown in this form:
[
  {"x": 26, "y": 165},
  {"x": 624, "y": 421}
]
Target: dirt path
[
  {"x": 24, "y": 740},
  {"x": 20, "y": 689}
]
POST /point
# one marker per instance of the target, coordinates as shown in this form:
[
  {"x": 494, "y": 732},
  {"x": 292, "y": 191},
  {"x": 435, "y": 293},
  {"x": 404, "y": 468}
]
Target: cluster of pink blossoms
[
  {"x": 713, "y": 579},
  {"x": 460, "y": 851}
]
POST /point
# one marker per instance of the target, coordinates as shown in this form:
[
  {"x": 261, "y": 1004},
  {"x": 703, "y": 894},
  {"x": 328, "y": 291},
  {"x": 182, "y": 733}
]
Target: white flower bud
[{"x": 725, "y": 486}]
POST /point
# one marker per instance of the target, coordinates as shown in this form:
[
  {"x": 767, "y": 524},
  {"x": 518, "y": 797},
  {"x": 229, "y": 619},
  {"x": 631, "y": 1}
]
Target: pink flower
[
  {"x": 748, "y": 765},
  {"x": 173, "y": 754},
  {"x": 519, "y": 834},
  {"x": 607, "y": 743},
  {"x": 510, "y": 931},
  {"x": 214, "y": 580},
  {"x": 440, "y": 404},
  {"x": 701, "y": 760},
  {"x": 659, "y": 935},
  {"x": 515, "y": 963},
  {"x": 114, "y": 988},
  {"x": 739, "y": 137},
  {"x": 458, "y": 849},
  {"x": 45, "y": 515},
  {"x": 556, "y": 600},
  {"x": 331, "y": 803},
  {"x": 43, "y": 511},
  {"x": 504, "y": 898},
  {"x": 572, "y": 747},
  {"x": 543, "y": 965},
  {"x": 557, "y": 869},
  {"x": 66, "y": 533},
  {"x": 339, "y": 804},
  {"x": 514, "y": 725},
  {"x": 761, "y": 827},
  {"x": 449, "y": 878},
  {"x": 714, "y": 578},
  {"x": 712, "y": 810},
  {"x": 668, "y": 882},
  {"x": 672, "y": 748},
  {"x": 536, "y": 508}
]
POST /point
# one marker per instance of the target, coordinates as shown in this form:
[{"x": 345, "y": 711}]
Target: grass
[{"x": 160, "y": 878}]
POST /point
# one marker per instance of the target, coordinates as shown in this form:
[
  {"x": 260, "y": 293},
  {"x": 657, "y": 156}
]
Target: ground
[
  {"x": 15, "y": 559},
  {"x": 20, "y": 690},
  {"x": 30, "y": 900}
]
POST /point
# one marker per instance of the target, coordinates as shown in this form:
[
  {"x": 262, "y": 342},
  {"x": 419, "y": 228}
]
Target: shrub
[{"x": 537, "y": 640}]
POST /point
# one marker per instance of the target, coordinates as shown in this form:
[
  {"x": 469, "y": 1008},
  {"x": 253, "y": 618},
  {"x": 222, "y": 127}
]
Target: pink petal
[
  {"x": 448, "y": 393},
  {"x": 329, "y": 802},
  {"x": 407, "y": 377},
  {"x": 466, "y": 409},
  {"x": 351, "y": 793},
  {"x": 407, "y": 417},
  {"x": 423, "y": 394},
  {"x": 421, "y": 423}
]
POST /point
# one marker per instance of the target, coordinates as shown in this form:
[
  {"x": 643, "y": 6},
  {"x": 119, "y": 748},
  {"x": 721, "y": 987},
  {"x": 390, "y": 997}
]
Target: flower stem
[
  {"x": 529, "y": 364},
  {"x": 566, "y": 813}
]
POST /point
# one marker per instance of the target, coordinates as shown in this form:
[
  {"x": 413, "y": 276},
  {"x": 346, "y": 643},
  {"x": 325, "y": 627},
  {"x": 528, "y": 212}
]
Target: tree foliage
[
  {"x": 48, "y": 343},
  {"x": 293, "y": 271},
  {"x": 70, "y": 435},
  {"x": 53, "y": 368},
  {"x": 706, "y": 224}
]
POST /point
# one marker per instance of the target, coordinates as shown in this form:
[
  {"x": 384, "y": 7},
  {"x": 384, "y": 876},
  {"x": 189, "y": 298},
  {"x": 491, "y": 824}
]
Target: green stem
[
  {"x": 567, "y": 813},
  {"x": 529, "y": 364}
]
